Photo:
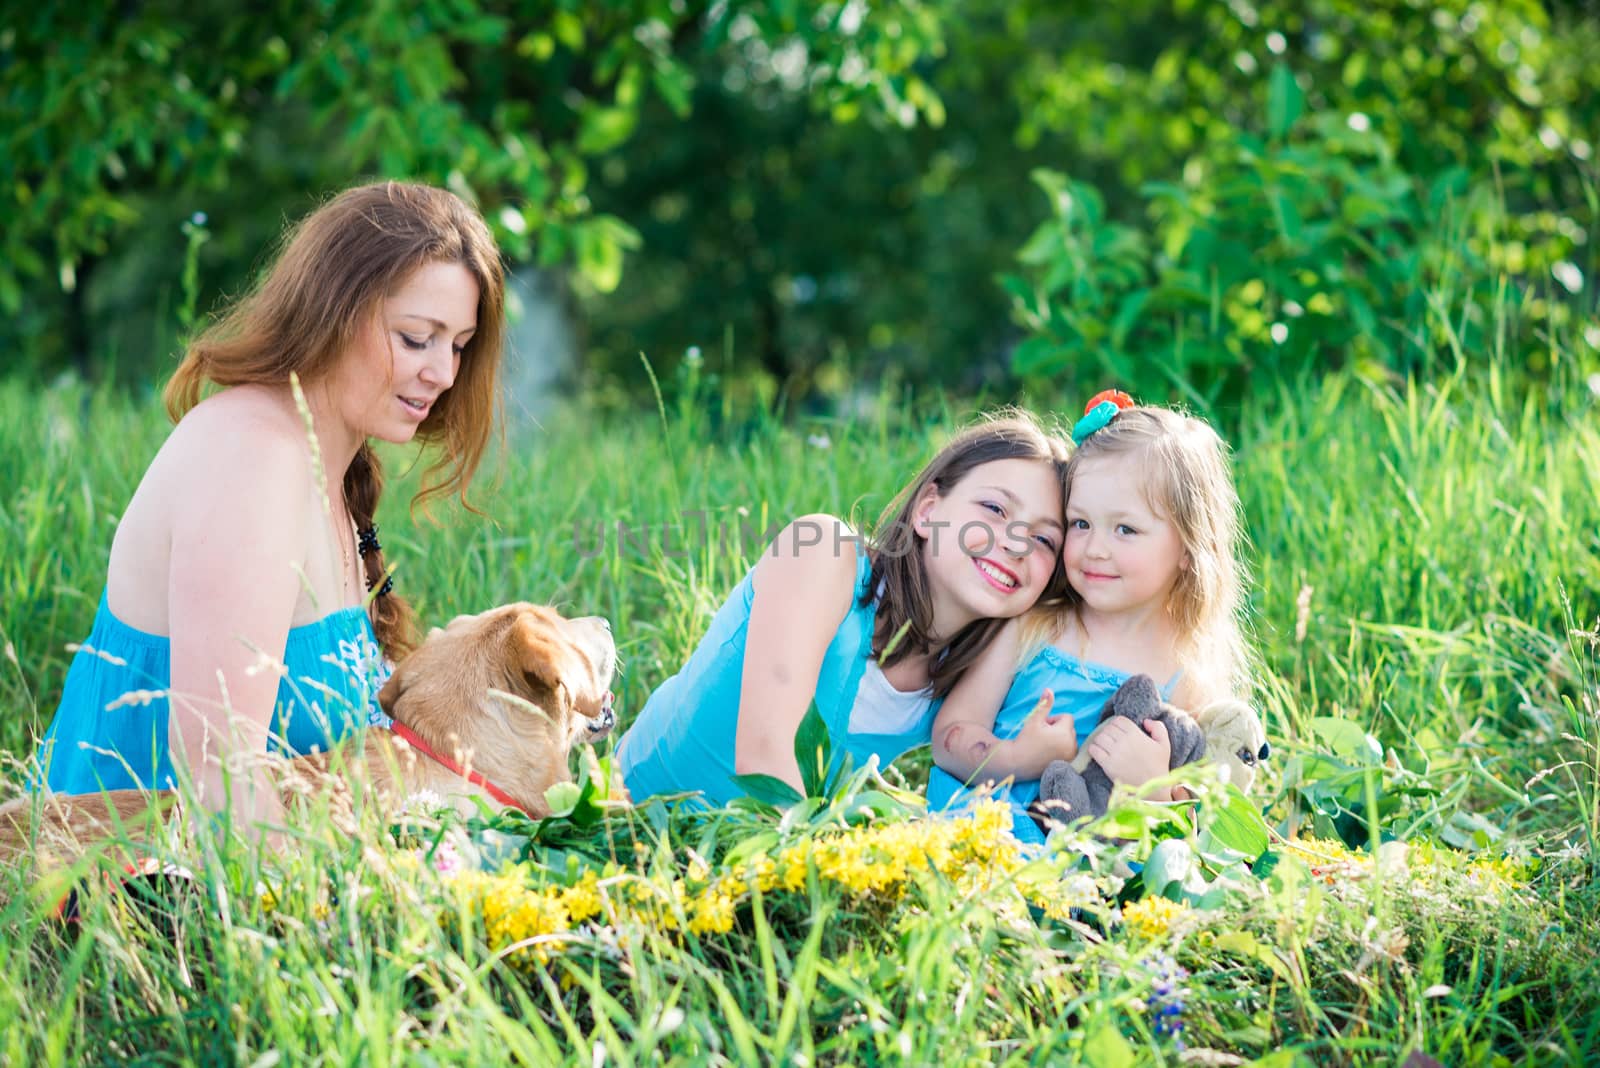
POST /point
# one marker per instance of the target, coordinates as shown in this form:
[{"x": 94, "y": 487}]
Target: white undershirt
[{"x": 882, "y": 709}]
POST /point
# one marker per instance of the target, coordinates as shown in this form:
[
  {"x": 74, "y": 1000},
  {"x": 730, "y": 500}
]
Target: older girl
[{"x": 878, "y": 633}]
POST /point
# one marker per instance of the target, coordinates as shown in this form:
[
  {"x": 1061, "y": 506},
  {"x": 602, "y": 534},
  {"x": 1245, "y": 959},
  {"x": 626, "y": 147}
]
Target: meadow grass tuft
[{"x": 1427, "y": 583}]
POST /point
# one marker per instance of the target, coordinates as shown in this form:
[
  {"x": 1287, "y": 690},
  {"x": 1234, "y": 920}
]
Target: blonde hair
[
  {"x": 1183, "y": 468},
  {"x": 307, "y": 310}
]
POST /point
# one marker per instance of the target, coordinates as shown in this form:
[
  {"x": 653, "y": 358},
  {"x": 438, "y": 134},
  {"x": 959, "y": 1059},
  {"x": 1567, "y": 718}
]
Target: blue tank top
[
  {"x": 683, "y": 739},
  {"x": 1082, "y": 690},
  {"x": 110, "y": 730}
]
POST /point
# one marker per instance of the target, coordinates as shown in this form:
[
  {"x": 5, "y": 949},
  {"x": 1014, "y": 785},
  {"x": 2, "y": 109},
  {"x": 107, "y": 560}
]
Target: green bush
[{"x": 1296, "y": 253}]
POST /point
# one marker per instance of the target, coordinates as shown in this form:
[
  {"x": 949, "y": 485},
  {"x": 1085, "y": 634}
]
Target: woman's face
[{"x": 405, "y": 359}]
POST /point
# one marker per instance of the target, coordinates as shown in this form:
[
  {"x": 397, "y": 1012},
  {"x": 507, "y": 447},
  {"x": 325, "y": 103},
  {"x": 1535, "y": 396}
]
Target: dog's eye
[{"x": 1247, "y": 757}]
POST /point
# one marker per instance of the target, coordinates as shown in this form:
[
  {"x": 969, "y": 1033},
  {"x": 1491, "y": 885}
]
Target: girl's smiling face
[
  {"x": 1121, "y": 554},
  {"x": 990, "y": 542}
]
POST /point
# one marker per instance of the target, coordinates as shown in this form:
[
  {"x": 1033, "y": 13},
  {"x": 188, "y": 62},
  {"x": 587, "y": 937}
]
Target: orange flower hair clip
[{"x": 1098, "y": 412}]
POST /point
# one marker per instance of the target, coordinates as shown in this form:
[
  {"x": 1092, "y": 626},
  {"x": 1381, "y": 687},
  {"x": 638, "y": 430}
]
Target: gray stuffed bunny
[{"x": 1068, "y": 791}]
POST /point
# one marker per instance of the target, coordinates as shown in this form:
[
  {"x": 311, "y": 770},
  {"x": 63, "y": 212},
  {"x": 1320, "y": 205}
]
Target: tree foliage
[
  {"x": 119, "y": 119},
  {"x": 808, "y": 193},
  {"x": 1301, "y": 184}
]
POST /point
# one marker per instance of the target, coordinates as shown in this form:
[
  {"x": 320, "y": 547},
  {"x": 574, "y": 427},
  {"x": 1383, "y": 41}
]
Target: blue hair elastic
[
  {"x": 1096, "y": 419},
  {"x": 1098, "y": 412}
]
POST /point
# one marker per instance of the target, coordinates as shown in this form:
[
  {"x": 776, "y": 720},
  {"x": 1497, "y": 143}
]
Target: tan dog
[{"x": 488, "y": 707}]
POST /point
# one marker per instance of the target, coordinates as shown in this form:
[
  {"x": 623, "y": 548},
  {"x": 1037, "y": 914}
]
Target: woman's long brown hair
[
  {"x": 906, "y": 607},
  {"x": 308, "y": 310}
]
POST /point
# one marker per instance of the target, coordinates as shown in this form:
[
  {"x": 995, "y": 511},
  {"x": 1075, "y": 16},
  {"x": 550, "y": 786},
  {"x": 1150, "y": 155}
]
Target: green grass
[{"x": 1447, "y": 534}]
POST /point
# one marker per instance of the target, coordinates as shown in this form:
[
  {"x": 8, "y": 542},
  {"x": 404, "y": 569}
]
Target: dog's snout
[{"x": 601, "y": 725}]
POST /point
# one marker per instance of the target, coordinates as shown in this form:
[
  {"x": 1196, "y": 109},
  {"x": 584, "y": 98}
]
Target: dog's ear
[
  {"x": 389, "y": 695},
  {"x": 542, "y": 655}
]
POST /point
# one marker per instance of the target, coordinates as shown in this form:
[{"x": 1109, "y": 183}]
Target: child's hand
[
  {"x": 1055, "y": 737},
  {"x": 1128, "y": 755}
]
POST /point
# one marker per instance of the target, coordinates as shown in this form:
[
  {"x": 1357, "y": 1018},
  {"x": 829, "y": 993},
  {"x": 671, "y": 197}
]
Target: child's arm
[
  {"x": 803, "y": 586},
  {"x": 964, "y": 743}
]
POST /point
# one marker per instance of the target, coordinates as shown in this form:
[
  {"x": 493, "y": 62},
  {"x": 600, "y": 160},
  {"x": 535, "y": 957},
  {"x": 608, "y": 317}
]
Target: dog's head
[
  {"x": 512, "y": 690},
  {"x": 1235, "y": 739}
]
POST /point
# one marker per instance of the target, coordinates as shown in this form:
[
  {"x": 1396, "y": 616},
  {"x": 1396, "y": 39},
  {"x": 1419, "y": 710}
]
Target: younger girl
[
  {"x": 1150, "y": 553},
  {"x": 877, "y": 633}
]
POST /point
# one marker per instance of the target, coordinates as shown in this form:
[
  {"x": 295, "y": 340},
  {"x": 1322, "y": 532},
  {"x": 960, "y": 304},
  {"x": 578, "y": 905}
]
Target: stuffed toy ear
[
  {"x": 1137, "y": 699},
  {"x": 545, "y": 659}
]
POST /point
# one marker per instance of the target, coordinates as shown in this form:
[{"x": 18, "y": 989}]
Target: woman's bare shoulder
[
  {"x": 257, "y": 425},
  {"x": 257, "y": 413},
  {"x": 231, "y": 470},
  {"x": 242, "y": 440}
]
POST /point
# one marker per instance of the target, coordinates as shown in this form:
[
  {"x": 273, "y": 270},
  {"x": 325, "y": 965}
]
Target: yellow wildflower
[
  {"x": 1154, "y": 918},
  {"x": 793, "y": 867},
  {"x": 582, "y": 899},
  {"x": 512, "y": 913},
  {"x": 1498, "y": 869},
  {"x": 713, "y": 911}
]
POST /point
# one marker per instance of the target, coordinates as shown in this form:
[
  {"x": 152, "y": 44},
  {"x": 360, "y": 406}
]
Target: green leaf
[
  {"x": 1347, "y": 740},
  {"x": 1028, "y": 301},
  {"x": 1286, "y": 215},
  {"x": 674, "y": 82},
  {"x": 599, "y": 243},
  {"x": 1244, "y": 944},
  {"x": 1128, "y": 316},
  {"x": 1231, "y": 820},
  {"x": 1170, "y": 862},
  {"x": 1285, "y": 102},
  {"x": 1044, "y": 246},
  {"x": 1054, "y": 183},
  {"x": 538, "y": 46},
  {"x": 813, "y": 750},
  {"x": 568, "y": 29},
  {"x": 801, "y": 813},
  {"x": 749, "y": 847},
  {"x": 769, "y": 789},
  {"x": 1265, "y": 863},
  {"x": 877, "y": 804},
  {"x": 562, "y": 798},
  {"x": 601, "y": 129},
  {"x": 1106, "y": 1048}
]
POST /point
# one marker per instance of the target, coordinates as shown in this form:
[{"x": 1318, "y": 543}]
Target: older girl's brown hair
[
  {"x": 307, "y": 311},
  {"x": 905, "y": 611}
]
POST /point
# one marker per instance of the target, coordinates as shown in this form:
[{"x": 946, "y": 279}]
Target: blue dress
[
  {"x": 110, "y": 730},
  {"x": 1082, "y": 690},
  {"x": 683, "y": 739}
]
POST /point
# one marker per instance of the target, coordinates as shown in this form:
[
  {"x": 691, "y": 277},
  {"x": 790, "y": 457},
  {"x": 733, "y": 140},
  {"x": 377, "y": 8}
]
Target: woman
[{"x": 235, "y": 607}]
